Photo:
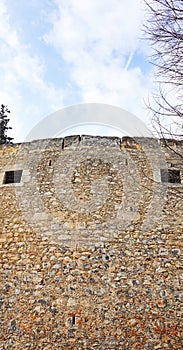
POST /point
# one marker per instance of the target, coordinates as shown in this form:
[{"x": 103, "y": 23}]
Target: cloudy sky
[{"x": 56, "y": 53}]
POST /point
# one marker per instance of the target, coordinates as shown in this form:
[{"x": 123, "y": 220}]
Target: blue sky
[{"x": 55, "y": 53}]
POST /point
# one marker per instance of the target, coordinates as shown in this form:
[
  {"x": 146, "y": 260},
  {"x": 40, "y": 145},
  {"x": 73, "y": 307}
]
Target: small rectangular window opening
[
  {"x": 170, "y": 175},
  {"x": 73, "y": 320},
  {"x": 13, "y": 176}
]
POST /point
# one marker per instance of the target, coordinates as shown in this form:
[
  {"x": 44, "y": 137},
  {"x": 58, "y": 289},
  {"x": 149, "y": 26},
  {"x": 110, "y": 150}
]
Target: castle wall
[{"x": 90, "y": 245}]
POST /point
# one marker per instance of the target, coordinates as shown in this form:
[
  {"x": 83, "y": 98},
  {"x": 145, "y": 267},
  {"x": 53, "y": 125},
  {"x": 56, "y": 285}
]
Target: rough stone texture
[{"x": 90, "y": 245}]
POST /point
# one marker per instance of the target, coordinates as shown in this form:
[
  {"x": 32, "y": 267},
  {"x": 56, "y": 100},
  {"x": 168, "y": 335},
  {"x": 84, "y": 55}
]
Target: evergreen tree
[{"x": 4, "y": 120}]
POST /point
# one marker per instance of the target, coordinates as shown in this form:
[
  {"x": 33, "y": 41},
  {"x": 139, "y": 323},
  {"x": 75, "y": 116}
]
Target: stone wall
[{"x": 90, "y": 244}]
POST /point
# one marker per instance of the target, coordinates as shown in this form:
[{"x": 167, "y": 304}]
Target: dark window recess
[
  {"x": 49, "y": 162},
  {"x": 170, "y": 175},
  {"x": 73, "y": 320},
  {"x": 12, "y": 177}
]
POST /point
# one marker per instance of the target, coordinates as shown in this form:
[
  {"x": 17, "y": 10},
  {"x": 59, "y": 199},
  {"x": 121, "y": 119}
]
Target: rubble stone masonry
[{"x": 90, "y": 244}]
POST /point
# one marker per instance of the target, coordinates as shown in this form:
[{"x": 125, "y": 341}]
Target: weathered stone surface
[{"x": 90, "y": 246}]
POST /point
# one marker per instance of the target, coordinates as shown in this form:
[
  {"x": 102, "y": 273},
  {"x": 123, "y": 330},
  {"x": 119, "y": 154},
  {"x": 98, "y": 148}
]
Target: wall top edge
[{"x": 92, "y": 140}]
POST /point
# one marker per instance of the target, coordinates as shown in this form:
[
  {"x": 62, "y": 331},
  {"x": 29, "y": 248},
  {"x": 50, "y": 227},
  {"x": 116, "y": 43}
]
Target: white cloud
[
  {"x": 101, "y": 26},
  {"x": 23, "y": 87},
  {"x": 98, "y": 39},
  {"x": 94, "y": 45}
]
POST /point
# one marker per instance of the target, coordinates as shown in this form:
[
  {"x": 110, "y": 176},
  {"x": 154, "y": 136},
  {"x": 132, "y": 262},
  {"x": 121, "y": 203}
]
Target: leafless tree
[{"x": 164, "y": 30}]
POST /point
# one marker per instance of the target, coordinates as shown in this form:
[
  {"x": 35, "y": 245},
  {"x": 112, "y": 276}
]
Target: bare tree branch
[{"x": 164, "y": 30}]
